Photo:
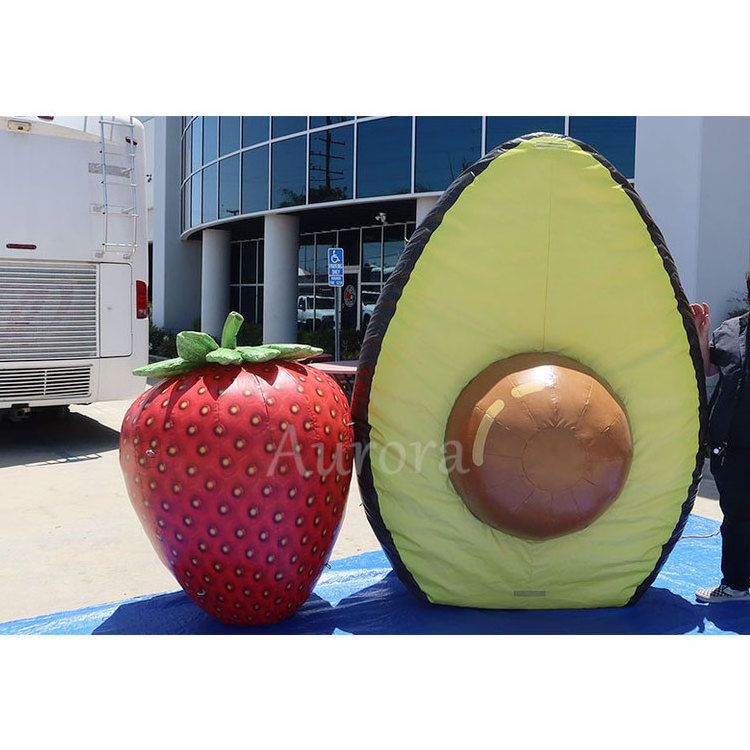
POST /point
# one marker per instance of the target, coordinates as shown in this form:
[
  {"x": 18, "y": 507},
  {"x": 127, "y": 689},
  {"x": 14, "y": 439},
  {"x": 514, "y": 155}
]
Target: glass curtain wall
[
  {"x": 370, "y": 256},
  {"x": 235, "y": 166}
]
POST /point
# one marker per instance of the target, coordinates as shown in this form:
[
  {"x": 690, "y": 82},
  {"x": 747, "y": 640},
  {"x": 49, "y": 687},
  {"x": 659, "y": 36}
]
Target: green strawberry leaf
[
  {"x": 294, "y": 351},
  {"x": 257, "y": 353},
  {"x": 193, "y": 346},
  {"x": 196, "y": 348},
  {"x": 224, "y": 356},
  {"x": 165, "y": 368}
]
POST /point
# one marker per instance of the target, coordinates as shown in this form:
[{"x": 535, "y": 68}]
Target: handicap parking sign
[{"x": 335, "y": 266}]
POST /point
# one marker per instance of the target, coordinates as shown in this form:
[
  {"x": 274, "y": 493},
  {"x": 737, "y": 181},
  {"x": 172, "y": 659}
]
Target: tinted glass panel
[
  {"x": 254, "y": 130},
  {"x": 612, "y": 137},
  {"x": 210, "y": 192},
  {"x": 229, "y": 186},
  {"x": 185, "y": 206},
  {"x": 384, "y": 157},
  {"x": 393, "y": 245},
  {"x": 234, "y": 298},
  {"x": 195, "y": 200},
  {"x": 446, "y": 146},
  {"x": 306, "y": 262},
  {"x": 324, "y": 241},
  {"x": 320, "y": 122},
  {"x": 234, "y": 265},
  {"x": 286, "y": 125},
  {"x": 502, "y": 129},
  {"x": 305, "y": 305},
  {"x": 261, "y": 260},
  {"x": 210, "y": 138},
  {"x": 248, "y": 303},
  {"x": 229, "y": 135},
  {"x": 255, "y": 180},
  {"x": 371, "y": 257},
  {"x": 369, "y": 296},
  {"x": 288, "y": 173},
  {"x": 197, "y": 145},
  {"x": 349, "y": 241},
  {"x": 331, "y": 165},
  {"x": 249, "y": 262},
  {"x": 324, "y": 307},
  {"x": 186, "y": 157}
]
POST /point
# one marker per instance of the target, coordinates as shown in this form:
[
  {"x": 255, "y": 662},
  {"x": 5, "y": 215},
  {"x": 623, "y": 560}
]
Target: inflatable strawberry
[{"x": 238, "y": 464}]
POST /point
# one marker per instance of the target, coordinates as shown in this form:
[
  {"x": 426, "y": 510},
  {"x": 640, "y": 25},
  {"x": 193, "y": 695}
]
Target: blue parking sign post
[{"x": 336, "y": 280}]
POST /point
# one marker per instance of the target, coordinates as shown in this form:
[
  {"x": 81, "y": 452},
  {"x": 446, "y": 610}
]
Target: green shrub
[
  {"x": 350, "y": 341},
  {"x": 161, "y": 343},
  {"x": 251, "y": 334}
]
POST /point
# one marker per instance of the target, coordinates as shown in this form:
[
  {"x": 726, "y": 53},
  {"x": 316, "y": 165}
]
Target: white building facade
[{"x": 245, "y": 208}]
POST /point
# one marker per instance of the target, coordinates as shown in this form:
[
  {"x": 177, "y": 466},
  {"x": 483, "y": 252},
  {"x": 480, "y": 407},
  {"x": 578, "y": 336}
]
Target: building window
[
  {"x": 246, "y": 289},
  {"x": 372, "y": 255},
  {"x": 393, "y": 246},
  {"x": 377, "y": 246},
  {"x": 288, "y": 125},
  {"x": 229, "y": 135},
  {"x": 500, "y": 130},
  {"x": 331, "y": 164},
  {"x": 229, "y": 187},
  {"x": 254, "y": 130},
  {"x": 321, "y": 122},
  {"x": 195, "y": 199},
  {"x": 384, "y": 157},
  {"x": 612, "y": 137},
  {"x": 306, "y": 261},
  {"x": 255, "y": 180},
  {"x": 210, "y": 139},
  {"x": 186, "y": 206},
  {"x": 288, "y": 167},
  {"x": 186, "y": 156},
  {"x": 323, "y": 241},
  {"x": 210, "y": 193},
  {"x": 196, "y": 149},
  {"x": 445, "y": 147},
  {"x": 348, "y": 241}
]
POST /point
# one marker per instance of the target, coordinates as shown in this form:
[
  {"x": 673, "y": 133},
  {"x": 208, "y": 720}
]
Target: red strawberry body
[{"x": 239, "y": 475}]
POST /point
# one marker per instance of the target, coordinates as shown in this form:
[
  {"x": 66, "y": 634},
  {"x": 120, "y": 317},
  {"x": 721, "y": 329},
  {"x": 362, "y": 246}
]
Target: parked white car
[{"x": 307, "y": 312}]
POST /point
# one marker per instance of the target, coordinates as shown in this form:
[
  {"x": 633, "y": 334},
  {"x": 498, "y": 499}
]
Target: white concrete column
[
  {"x": 176, "y": 267},
  {"x": 215, "y": 275},
  {"x": 424, "y": 206},
  {"x": 281, "y": 261}
]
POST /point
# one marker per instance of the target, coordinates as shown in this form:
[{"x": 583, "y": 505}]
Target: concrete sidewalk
[{"x": 70, "y": 537}]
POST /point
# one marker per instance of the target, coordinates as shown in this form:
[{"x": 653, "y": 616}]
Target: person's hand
[{"x": 701, "y": 318}]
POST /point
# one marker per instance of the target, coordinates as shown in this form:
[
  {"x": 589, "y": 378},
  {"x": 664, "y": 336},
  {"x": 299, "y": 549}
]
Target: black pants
[{"x": 732, "y": 475}]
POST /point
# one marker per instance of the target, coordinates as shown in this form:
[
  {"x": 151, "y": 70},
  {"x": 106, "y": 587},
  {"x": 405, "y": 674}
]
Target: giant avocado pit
[{"x": 545, "y": 447}]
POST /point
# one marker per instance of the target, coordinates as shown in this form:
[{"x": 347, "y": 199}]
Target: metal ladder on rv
[{"x": 119, "y": 198}]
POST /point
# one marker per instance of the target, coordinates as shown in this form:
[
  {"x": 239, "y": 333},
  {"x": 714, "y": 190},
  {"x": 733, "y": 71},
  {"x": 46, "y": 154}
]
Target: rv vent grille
[
  {"x": 47, "y": 311},
  {"x": 20, "y": 386}
]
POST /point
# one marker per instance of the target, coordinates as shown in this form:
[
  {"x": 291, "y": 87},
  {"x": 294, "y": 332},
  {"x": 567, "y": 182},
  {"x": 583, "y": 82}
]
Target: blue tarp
[{"x": 361, "y": 595}]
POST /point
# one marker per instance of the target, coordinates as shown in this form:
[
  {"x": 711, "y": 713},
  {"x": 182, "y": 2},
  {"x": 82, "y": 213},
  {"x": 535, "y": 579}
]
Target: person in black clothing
[{"x": 729, "y": 445}]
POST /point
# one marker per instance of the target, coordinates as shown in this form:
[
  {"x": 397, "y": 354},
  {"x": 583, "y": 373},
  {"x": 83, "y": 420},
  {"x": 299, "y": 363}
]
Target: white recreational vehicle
[{"x": 73, "y": 261}]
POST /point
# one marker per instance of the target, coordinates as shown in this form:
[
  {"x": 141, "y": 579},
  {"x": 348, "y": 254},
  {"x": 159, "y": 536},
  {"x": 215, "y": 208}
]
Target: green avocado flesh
[{"x": 544, "y": 251}]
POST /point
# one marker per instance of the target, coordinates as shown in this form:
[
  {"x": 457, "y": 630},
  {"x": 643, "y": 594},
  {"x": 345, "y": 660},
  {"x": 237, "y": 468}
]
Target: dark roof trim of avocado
[{"x": 386, "y": 308}]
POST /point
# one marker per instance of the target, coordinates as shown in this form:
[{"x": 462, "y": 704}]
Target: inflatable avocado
[{"x": 530, "y": 398}]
